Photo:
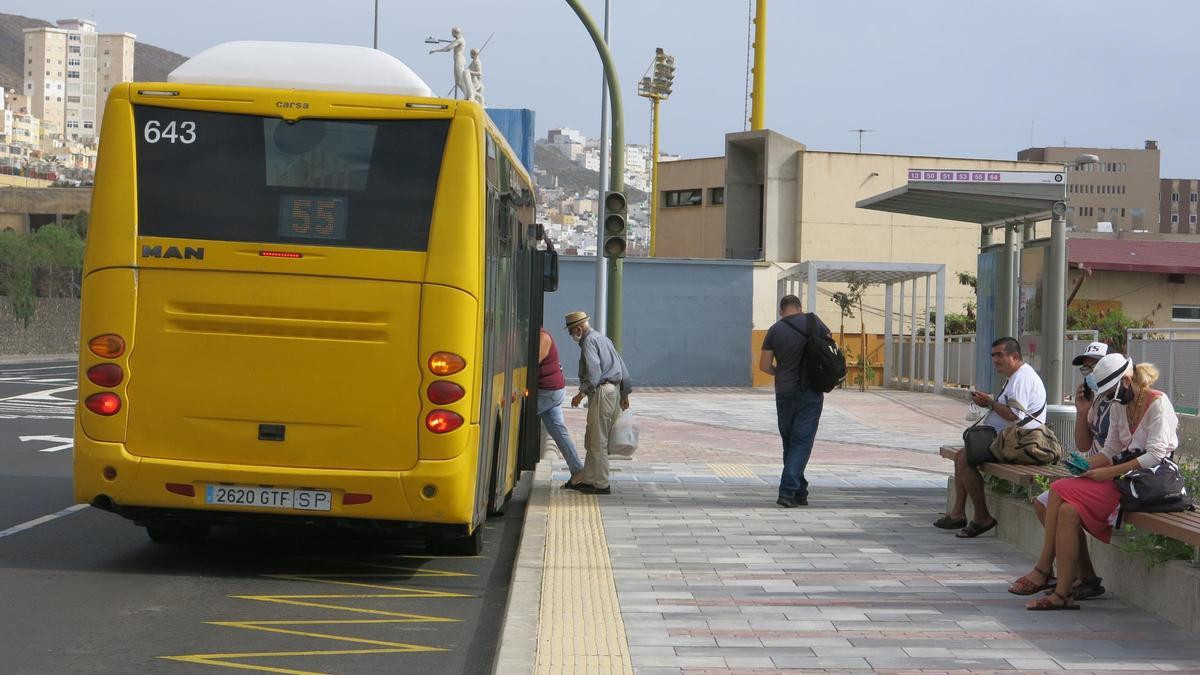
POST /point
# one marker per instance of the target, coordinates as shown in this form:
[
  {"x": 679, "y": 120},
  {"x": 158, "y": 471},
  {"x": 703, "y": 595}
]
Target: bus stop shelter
[{"x": 1005, "y": 201}]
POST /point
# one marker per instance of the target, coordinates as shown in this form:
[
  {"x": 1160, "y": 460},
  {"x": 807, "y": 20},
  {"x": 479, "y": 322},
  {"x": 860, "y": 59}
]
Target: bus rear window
[{"x": 226, "y": 177}]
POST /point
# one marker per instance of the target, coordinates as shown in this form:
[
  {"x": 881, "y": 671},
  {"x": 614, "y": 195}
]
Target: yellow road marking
[
  {"x": 309, "y": 600},
  {"x": 732, "y": 470},
  {"x": 580, "y": 627}
]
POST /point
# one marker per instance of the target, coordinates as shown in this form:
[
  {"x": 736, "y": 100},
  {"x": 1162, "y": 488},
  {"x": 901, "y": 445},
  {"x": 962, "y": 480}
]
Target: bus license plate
[{"x": 269, "y": 498}]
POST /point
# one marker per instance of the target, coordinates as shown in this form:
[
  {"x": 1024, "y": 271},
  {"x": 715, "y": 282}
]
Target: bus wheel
[
  {"x": 176, "y": 533},
  {"x": 471, "y": 544}
]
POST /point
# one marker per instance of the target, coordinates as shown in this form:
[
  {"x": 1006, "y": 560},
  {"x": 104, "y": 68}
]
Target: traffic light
[{"x": 614, "y": 225}]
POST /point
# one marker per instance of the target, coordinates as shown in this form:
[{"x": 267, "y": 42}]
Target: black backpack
[{"x": 824, "y": 364}]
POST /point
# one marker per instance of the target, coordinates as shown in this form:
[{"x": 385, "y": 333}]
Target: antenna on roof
[{"x": 860, "y": 133}]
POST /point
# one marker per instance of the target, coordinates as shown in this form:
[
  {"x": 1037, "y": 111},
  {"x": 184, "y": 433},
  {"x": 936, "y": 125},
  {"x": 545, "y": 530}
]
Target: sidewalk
[{"x": 689, "y": 568}]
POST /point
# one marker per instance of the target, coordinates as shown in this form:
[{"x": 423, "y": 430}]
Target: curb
[{"x": 519, "y": 632}]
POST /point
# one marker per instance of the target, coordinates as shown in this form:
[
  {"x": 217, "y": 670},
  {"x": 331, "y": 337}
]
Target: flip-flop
[
  {"x": 1027, "y": 586},
  {"x": 1045, "y": 604},
  {"x": 948, "y": 523},
  {"x": 974, "y": 529}
]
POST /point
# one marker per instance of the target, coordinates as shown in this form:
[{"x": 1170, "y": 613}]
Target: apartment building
[
  {"x": 1120, "y": 193},
  {"x": 1178, "y": 207},
  {"x": 69, "y": 69}
]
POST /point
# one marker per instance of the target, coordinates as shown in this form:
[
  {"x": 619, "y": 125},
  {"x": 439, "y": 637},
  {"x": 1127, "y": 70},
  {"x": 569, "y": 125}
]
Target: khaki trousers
[{"x": 604, "y": 406}]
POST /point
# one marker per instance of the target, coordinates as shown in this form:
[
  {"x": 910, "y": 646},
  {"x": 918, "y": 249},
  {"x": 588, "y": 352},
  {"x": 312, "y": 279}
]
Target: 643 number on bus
[{"x": 172, "y": 132}]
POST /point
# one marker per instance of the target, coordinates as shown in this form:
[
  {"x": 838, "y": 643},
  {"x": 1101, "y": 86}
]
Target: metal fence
[
  {"x": 1176, "y": 352},
  {"x": 960, "y": 360}
]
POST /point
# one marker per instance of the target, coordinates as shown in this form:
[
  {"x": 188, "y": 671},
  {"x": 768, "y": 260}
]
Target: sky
[{"x": 955, "y": 78}]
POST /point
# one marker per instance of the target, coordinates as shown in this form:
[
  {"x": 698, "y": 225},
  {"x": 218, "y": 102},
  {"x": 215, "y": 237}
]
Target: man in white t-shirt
[{"x": 1023, "y": 389}]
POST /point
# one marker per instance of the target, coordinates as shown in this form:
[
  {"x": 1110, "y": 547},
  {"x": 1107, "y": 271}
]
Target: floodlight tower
[{"x": 657, "y": 88}]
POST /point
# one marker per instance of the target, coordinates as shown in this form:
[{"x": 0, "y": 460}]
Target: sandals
[
  {"x": 1027, "y": 586},
  {"x": 1046, "y": 603},
  {"x": 974, "y": 529},
  {"x": 948, "y": 523}
]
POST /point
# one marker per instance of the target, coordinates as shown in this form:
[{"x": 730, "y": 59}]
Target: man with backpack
[{"x": 800, "y": 353}]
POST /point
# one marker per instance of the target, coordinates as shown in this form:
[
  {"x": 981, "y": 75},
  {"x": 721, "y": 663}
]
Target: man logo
[{"x": 188, "y": 253}]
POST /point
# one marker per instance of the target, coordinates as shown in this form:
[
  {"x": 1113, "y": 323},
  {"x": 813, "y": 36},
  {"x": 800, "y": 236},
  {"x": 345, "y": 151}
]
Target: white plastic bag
[{"x": 624, "y": 437}]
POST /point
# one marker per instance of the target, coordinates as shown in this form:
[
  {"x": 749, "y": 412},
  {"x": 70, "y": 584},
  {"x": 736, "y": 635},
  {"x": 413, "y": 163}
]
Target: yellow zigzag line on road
[{"x": 306, "y": 600}]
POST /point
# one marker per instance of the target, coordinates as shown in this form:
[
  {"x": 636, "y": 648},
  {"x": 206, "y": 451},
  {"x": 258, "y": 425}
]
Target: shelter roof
[{"x": 972, "y": 196}]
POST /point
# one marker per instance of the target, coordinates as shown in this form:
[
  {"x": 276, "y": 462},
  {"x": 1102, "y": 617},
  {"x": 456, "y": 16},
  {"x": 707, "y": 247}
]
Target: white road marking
[
  {"x": 39, "y": 521},
  {"x": 70, "y": 443}
]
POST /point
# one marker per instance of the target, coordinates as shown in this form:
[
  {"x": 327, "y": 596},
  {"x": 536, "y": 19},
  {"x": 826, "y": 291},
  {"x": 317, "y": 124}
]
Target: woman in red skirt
[{"x": 1141, "y": 433}]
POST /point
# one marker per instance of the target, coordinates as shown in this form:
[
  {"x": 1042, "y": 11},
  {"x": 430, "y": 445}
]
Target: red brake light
[
  {"x": 446, "y": 363},
  {"x": 352, "y": 498},
  {"x": 107, "y": 346},
  {"x": 105, "y": 403},
  {"x": 106, "y": 374},
  {"x": 444, "y": 393},
  {"x": 280, "y": 254},
  {"x": 443, "y": 421}
]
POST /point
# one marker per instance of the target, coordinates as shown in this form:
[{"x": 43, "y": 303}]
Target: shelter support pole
[
  {"x": 912, "y": 346},
  {"x": 1055, "y": 330},
  {"x": 1008, "y": 276},
  {"x": 900, "y": 342},
  {"x": 939, "y": 344},
  {"x": 812, "y": 288},
  {"x": 888, "y": 365},
  {"x": 925, "y": 344}
]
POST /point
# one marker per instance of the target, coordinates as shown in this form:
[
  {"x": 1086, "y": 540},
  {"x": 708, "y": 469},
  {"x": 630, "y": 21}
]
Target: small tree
[
  {"x": 1112, "y": 323},
  {"x": 856, "y": 287},
  {"x": 16, "y": 275}
]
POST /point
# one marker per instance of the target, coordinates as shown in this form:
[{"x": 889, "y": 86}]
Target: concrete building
[
  {"x": 1178, "y": 208},
  {"x": 1120, "y": 193},
  {"x": 65, "y": 73},
  {"x": 773, "y": 200},
  {"x": 1154, "y": 277}
]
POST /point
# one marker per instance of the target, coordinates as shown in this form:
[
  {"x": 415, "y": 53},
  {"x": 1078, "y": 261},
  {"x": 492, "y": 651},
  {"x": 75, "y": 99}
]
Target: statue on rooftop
[
  {"x": 476, "y": 72},
  {"x": 462, "y": 79}
]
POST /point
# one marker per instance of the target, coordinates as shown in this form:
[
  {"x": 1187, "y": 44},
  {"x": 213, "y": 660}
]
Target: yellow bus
[{"x": 310, "y": 294}]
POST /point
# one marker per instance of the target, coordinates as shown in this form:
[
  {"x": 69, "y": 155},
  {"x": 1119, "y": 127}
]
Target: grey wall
[
  {"x": 53, "y": 330},
  {"x": 686, "y": 322}
]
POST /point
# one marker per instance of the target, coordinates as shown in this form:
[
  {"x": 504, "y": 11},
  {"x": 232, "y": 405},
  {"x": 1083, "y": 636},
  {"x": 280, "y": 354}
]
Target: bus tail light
[
  {"x": 106, "y": 374},
  {"x": 446, "y": 363},
  {"x": 181, "y": 489},
  {"x": 443, "y": 421},
  {"x": 352, "y": 498},
  {"x": 105, "y": 403},
  {"x": 444, "y": 393},
  {"x": 108, "y": 346}
]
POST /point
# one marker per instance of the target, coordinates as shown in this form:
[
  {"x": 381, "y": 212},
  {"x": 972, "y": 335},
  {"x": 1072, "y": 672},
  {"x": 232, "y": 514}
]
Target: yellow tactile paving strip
[
  {"x": 579, "y": 628},
  {"x": 732, "y": 470}
]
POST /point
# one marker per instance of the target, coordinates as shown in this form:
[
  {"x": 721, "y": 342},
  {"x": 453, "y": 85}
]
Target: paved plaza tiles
[{"x": 689, "y": 568}]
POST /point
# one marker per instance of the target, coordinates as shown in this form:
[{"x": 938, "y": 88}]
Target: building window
[
  {"x": 72, "y": 62},
  {"x": 1192, "y": 219},
  {"x": 1193, "y": 198},
  {"x": 72, "y": 74},
  {"x": 1174, "y": 218},
  {"x": 716, "y": 195},
  {"x": 682, "y": 198},
  {"x": 87, "y": 125},
  {"x": 1185, "y": 313},
  {"x": 74, "y": 50},
  {"x": 1175, "y": 196}
]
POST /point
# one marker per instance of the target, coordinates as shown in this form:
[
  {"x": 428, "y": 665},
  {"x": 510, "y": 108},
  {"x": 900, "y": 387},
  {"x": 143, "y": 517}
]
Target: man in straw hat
[{"x": 604, "y": 379}]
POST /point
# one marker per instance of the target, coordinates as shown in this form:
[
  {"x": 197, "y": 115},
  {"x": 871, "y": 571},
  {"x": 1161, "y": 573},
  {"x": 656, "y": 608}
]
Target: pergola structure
[
  {"x": 803, "y": 279},
  {"x": 999, "y": 199}
]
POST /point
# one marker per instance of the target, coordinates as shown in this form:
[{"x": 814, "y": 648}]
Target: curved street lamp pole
[{"x": 616, "y": 181}]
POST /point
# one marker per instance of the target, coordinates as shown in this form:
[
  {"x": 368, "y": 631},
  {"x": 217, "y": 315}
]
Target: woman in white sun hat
[{"x": 1141, "y": 433}]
